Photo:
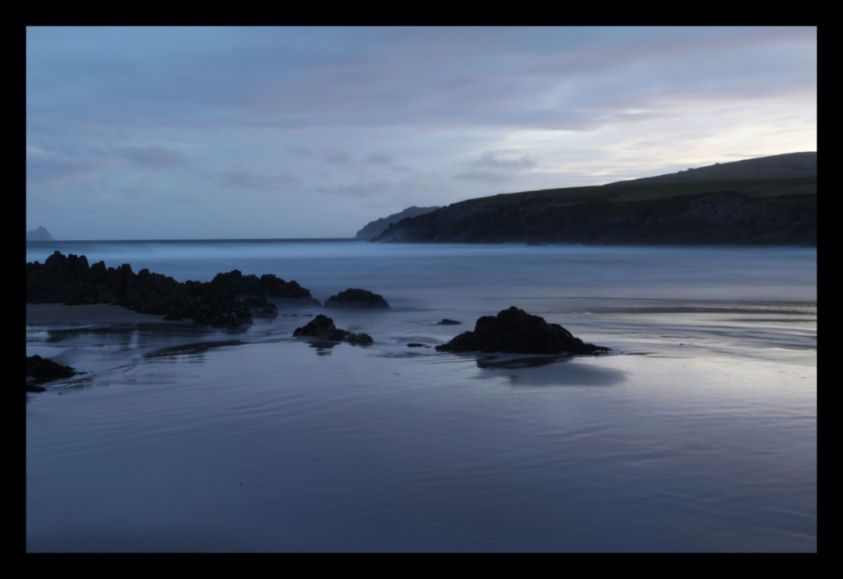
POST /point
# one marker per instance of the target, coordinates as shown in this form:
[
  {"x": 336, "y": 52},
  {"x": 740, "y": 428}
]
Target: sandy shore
[{"x": 60, "y": 314}]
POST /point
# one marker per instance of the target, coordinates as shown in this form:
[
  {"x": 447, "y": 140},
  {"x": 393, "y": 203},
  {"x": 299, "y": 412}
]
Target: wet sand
[
  {"x": 698, "y": 434},
  {"x": 87, "y": 314}
]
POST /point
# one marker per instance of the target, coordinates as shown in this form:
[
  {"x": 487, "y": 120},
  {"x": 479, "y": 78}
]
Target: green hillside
[{"x": 758, "y": 210}]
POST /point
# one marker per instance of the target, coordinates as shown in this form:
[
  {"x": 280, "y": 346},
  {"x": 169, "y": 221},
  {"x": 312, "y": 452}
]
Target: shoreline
[{"x": 51, "y": 314}]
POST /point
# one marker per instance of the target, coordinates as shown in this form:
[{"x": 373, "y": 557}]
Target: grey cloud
[
  {"x": 345, "y": 105},
  {"x": 64, "y": 164},
  {"x": 56, "y": 168},
  {"x": 248, "y": 179},
  {"x": 543, "y": 77},
  {"x": 336, "y": 156},
  {"x": 421, "y": 185},
  {"x": 493, "y": 168},
  {"x": 155, "y": 157},
  {"x": 483, "y": 176},
  {"x": 490, "y": 159},
  {"x": 332, "y": 156},
  {"x": 382, "y": 160},
  {"x": 379, "y": 159},
  {"x": 366, "y": 189}
]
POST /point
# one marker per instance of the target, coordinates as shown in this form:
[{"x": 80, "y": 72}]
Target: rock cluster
[
  {"x": 229, "y": 300},
  {"x": 515, "y": 331},
  {"x": 322, "y": 328},
  {"x": 40, "y": 370},
  {"x": 357, "y": 298}
]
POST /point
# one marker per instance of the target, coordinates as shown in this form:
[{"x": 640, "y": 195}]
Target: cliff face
[
  {"x": 375, "y": 228},
  {"x": 757, "y": 210}
]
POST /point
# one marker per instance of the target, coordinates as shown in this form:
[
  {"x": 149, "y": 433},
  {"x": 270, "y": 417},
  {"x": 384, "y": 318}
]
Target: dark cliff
[
  {"x": 753, "y": 210},
  {"x": 376, "y": 227}
]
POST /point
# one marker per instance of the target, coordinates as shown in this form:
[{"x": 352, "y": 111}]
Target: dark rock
[
  {"x": 357, "y": 298},
  {"x": 267, "y": 285},
  {"x": 417, "y": 345},
  {"x": 208, "y": 308},
  {"x": 515, "y": 331},
  {"x": 322, "y": 328},
  {"x": 319, "y": 327},
  {"x": 228, "y": 301},
  {"x": 260, "y": 307},
  {"x": 357, "y": 338},
  {"x": 40, "y": 370},
  {"x": 447, "y": 322}
]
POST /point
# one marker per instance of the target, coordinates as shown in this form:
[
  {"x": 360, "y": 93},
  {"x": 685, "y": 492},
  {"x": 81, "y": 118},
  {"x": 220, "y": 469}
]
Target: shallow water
[{"x": 696, "y": 434}]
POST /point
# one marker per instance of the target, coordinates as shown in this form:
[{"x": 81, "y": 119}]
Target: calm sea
[{"x": 696, "y": 434}]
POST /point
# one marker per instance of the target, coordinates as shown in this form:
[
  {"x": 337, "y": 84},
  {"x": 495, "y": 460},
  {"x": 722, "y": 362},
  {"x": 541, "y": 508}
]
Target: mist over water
[
  {"x": 570, "y": 270},
  {"x": 697, "y": 433}
]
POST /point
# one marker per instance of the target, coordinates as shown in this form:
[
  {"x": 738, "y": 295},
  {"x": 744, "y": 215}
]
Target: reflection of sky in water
[
  {"x": 359, "y": 451},
  {"x": 698, "y": 432}
]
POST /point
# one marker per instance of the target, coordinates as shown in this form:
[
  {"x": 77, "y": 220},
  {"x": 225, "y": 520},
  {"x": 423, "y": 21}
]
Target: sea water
[{"x": 697, "y": 433}]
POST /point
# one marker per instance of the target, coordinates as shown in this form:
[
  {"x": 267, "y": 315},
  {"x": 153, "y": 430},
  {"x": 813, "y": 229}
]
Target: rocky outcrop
[
  {"x": 322, "y": 329},
  {"x": 357, "y": 298},
  {"x": 40, "y": 370},
  {"x": 229, "y": 300},
  {"x": 267, "y": 285},
  {"x": 517, "y": 332},
  {"x": 40, "y": 234},
  {"x": 375, "y": 228}
]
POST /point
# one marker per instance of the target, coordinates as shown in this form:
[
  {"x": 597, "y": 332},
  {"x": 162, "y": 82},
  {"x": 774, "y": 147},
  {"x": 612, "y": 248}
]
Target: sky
[{"x": 312, "y": 132}]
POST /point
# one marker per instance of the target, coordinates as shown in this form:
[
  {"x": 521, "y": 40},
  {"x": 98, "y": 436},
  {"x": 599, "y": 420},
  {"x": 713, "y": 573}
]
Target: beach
[
  {"x": 696, "y": 433},
  {"x": 88, "y": 315}
]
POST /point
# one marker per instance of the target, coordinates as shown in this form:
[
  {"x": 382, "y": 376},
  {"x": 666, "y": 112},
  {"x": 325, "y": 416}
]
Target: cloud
[
  {"x": 379, "y": 159},
  {"x": 384, "y": 161},
  {"x": 360, "y": 189},
  {"x": 491, "y": 160},
  {"x": 331, "y": 155},
  {"x": 337, "y": 78},
  {"x": 493, "y": 168},
  {"x": 51, "y": 168},
  {"x": 154, "y": 157},
  {"x": 336, "y": 156},
  {"x": 411, "y": 188},
  {"x": 248, "y": 179},
  {"x": 398, "y": 115},
  {"x": 491, "y": 177},
  {"x": 64, "y": 167}
]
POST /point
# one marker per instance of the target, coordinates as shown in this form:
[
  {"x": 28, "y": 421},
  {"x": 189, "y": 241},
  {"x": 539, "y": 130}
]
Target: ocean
[{"x": 696, "y": 433}]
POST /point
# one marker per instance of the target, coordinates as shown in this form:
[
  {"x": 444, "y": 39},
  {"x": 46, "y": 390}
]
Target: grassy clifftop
[{"x": 756, "y": 210}]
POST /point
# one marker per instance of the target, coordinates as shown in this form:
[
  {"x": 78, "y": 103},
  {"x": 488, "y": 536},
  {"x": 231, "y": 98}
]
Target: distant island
[
  {"x": 375, "y": 228},
  {"x": 769, "y": 200},
  {"x": 40, "y": 234}
]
